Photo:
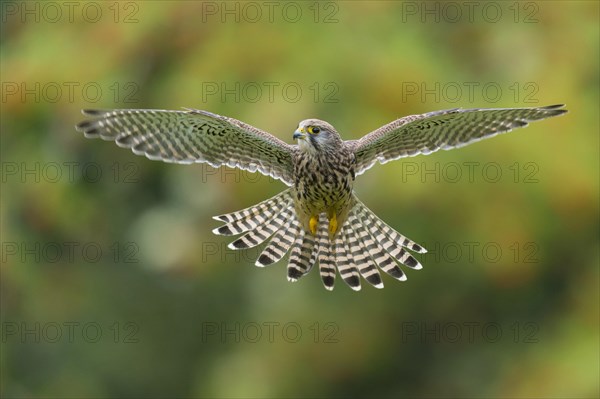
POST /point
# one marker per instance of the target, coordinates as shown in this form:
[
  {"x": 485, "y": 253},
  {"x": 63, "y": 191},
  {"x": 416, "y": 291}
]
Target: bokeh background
[{"x": 113, "y": 285}]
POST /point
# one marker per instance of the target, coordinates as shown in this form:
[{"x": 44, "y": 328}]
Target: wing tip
[
  {"x": 554, "y": 106},
  {"x": 193, "y": 111},
  {"x": 553, "y": 110},
  {"x": 93, "y": 112}
]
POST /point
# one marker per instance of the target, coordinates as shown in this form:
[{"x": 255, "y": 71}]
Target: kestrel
[{"x": 318, "y": 218}]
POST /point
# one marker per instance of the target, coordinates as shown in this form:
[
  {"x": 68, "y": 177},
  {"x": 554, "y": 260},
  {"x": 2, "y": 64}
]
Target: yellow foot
[
  {"x": 333, "y": 225},
  {"x": 312, "y": 224}
]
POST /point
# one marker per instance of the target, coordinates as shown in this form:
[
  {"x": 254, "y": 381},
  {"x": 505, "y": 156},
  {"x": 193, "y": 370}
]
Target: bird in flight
[{"x": 319, "y": 218}]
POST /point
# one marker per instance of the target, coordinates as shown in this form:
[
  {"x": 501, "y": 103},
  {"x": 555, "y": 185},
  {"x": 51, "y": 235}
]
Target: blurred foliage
[{"x": 542, "y": 295}]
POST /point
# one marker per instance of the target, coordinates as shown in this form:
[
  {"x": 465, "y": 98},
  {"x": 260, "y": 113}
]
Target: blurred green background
[{"x": 114, "y": 286}]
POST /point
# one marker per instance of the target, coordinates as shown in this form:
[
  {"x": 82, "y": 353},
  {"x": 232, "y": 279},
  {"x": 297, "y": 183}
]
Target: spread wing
[
  {"x": 192, "y": 136},
  {"x": 454, "y": 128}
]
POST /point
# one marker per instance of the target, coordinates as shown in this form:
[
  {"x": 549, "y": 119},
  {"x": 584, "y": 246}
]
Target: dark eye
[{"x": 313, "y": 130}]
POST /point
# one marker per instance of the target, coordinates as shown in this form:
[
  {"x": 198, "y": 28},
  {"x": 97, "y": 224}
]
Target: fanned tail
[{"x": 362, "y": 246}]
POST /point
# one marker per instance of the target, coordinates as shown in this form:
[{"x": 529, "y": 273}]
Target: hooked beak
[{"x": 299, "y": 134}]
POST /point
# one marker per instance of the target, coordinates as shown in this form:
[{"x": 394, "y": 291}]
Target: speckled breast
[{"x": 323, "y": 182}]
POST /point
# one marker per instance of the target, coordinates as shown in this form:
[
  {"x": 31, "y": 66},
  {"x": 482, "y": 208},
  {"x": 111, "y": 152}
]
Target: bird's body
[
  {"x": 318, "y": 219},
  {"x": 323, "y": 178}
]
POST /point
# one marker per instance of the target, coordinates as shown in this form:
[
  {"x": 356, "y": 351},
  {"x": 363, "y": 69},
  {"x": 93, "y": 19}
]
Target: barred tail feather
[
  {"x": 378, "y": 253},
  {"x": 384, "y": 244},
  {"x": 326, "y": 257},
  {"x": 302, "y": 256},
  {"x": 366, "y": 266},
  {"x": 388, "y": 246},
  {"x": 314, "y": 255},
  {"x": 278, "y": 246},
  {"x": 263, "y": 231},
  {"x": 344, "y": 263},
  {"x": 250, "y": 213},
  {"x": 396, "y": 238},
  {"x": 391, "y": 246}
]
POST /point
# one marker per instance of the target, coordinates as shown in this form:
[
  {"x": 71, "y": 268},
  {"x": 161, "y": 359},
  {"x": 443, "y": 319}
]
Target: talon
[
  {"x": 312, "y": 224},
  {"x": 333, "y": 225}
]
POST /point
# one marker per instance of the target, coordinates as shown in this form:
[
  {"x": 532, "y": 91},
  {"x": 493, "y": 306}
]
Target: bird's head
[{"x": 317, "y": 136}]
